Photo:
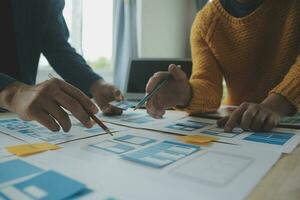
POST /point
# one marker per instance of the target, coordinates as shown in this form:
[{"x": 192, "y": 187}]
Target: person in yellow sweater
[{"x": 254, "y": 45}]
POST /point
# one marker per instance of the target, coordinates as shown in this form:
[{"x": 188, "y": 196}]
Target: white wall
[{"x": 164, "y": 27}]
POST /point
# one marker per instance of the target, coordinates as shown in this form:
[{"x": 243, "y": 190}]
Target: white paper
[
  {"x": 183, "y": 126},
  {"x": 216, "y": 172},
  {"x": 4, "y": 153},
  {"x": 31, "y": 132},
  {"x": 279, "y": 139},
  {"x": 140, "y": 118}
]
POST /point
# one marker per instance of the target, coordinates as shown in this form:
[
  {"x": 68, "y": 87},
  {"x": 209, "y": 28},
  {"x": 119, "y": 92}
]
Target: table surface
[{"x": 281, "y": 182}]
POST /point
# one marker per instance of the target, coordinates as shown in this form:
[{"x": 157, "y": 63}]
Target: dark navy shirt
[
  {"x": 8, "y": 51},
  {"x": 39, "y": 27},
  {"x": 238, "y": 9}
]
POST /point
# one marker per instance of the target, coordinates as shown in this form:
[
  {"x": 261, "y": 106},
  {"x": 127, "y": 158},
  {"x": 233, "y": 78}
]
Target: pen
[
  {"x": 98, "y": 121},
  {"x": 154, "y": 91}
]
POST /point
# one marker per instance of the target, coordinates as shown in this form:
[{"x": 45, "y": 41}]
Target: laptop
[{"x": 140, "y": 70}]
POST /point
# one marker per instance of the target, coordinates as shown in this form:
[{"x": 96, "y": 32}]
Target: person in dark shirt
[{"x": 27, "y": 29}]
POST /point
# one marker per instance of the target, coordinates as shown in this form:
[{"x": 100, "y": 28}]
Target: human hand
[
  {"x": 104, "y": 93},
  {"x": 258, "y": 117},
  {"x": 45, "y": 102},
  {"x": 176, "y": 92}
]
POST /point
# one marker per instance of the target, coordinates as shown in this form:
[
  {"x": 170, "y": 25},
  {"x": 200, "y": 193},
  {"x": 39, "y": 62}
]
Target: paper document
[
  {"x": 140, "y": 118},
  {"x": 280, "y": 139},
  {"x": 163, "y": 170},
  {"x": 32, "y": 132}
]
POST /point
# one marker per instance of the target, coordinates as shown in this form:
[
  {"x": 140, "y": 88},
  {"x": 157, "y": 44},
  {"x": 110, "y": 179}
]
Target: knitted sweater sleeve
[
  {"x": 289, "y": 87},
  {"x": 206, "y": 79}
]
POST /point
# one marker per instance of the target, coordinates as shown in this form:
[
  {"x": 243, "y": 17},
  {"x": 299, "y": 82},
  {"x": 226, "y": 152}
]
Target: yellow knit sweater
[{"x": 256, "y": 55}]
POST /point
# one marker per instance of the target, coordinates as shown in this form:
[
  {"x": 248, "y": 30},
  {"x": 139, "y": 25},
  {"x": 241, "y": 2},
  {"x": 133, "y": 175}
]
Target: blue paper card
[
  {"x": 161, "y": 154},
  {"x": 277, "y": 138},
  {"x": 138, "y": 140},
  {"x": 124, "y": 105},
  {"x": 139, "y": 120},
  {"x": 14, "y": 169},
  {"x": 188, "y": 125},
  {"x": 112, "y": 146},
  {"x": 49, "y": 185},
  {"x": 217, "y": 131}
]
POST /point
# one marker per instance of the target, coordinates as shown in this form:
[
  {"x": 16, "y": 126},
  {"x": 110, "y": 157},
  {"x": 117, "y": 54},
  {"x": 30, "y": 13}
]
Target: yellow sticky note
[
  {"x": 45, "y": 145},
  {"x": 28, "y": 149},
  {"x": 198, "y": 139}
]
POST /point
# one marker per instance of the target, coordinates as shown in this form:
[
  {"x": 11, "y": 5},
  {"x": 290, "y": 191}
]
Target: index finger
[
  {"x": 234, "y": 118},
  {"x": 79, "y": 96}
]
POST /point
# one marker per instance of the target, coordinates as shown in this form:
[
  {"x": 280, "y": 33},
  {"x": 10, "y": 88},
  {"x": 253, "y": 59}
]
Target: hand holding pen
[{"x": 166, "y": 90}]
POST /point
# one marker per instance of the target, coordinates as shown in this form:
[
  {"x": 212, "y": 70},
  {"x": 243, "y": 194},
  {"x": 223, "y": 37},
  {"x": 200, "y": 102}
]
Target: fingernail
[
  {"x": 89, "y": 124},
  {"x": 95, "y": 109}
]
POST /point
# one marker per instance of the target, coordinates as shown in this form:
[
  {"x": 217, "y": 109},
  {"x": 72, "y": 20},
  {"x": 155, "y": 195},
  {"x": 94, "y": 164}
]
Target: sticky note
[
  {"x": 28, "y": 149},
  {"x": 198, "y": 139},
  {"x": 15, "y": 169},
  {"x": 47, "y": 186}
]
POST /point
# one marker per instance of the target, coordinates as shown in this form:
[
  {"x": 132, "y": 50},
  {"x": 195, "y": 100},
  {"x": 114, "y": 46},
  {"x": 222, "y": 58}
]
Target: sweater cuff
[
  {"x": 201, "y": 102},
  {"x": 290, "y": 90}
]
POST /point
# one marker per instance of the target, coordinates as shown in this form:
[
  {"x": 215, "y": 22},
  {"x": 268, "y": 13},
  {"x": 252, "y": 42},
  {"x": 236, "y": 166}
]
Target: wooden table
[{"x": 282, "y": 182}]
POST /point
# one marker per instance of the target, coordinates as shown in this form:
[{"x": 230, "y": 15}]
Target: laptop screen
[{"x": 142, "y": 69}]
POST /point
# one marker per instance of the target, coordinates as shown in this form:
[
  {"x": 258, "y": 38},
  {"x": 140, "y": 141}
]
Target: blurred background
[{"x": 108, "y": 33}]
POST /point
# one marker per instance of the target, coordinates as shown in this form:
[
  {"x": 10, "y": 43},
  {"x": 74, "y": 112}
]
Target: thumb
[
  {"x": 117, "y": 94},
  {"x": 177, "y": 73}
]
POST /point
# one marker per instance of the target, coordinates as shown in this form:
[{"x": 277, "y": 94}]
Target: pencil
[
  {"x": 99, "y": 122},
  {"x": 153, "y": 92}
]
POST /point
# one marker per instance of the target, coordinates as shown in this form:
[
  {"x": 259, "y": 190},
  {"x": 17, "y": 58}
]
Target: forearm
[
  {"x": 7, "y": 94},
  {"x": 6, "y": 89},
  {"x": 74, "y": 70},
  {"x": 61, "y": 55}
]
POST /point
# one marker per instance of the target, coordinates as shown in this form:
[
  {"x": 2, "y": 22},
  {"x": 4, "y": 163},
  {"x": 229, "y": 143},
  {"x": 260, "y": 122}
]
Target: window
[{"x": 92, "y": 38}]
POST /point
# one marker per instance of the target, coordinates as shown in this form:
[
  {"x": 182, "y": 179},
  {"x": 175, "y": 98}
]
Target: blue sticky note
[
  {"x": 49, "y": 185},
  {"x": 15, "y": 169},
  {"x": 138, "y": 140},
  {"x": 80, "y": 195},
  {"x": 161, "y": 154}
]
